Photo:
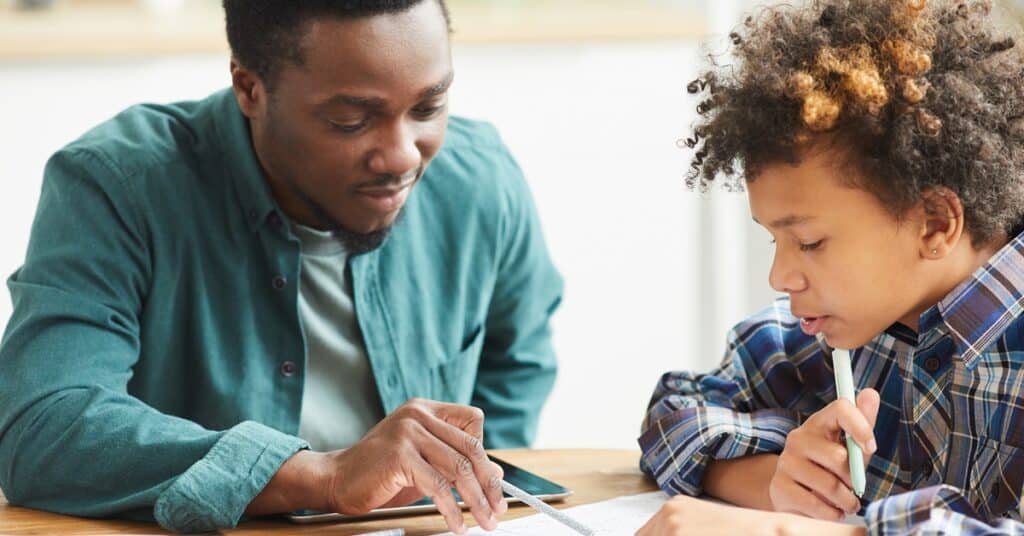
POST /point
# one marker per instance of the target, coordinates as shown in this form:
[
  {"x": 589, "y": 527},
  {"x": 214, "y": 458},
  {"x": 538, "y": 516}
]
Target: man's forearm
[
  {"x": 742, "y": 481},
  {"x": 299, "y": 484}
]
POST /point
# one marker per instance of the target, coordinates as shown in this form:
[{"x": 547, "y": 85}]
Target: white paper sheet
[
  {"x": 621, "y": 516},
  {"x": 616, "y": 517}
]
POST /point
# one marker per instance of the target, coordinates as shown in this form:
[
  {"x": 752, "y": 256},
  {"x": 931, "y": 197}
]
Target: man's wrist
[{"x": 302, "y": 482}]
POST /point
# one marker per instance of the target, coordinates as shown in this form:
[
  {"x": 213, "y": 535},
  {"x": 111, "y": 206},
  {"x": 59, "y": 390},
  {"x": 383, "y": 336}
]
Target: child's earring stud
[{"x": 935, "y": 252}]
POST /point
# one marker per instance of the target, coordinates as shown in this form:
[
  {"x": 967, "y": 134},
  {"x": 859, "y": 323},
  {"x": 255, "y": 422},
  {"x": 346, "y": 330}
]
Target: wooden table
[{"x": 593, "y": 475}]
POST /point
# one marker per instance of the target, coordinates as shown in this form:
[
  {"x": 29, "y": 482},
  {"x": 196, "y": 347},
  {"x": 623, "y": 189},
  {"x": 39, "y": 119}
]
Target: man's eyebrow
[
  {"x": 439, "y": 87},
  {"x": 376, "y": 102},
  {"x": 787, "y": 221},
  {"x": 351, "y": 100}
]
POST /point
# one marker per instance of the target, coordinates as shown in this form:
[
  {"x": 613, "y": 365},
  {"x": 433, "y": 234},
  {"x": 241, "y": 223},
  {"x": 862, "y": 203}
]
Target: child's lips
[{"x": 812, "y": 325}]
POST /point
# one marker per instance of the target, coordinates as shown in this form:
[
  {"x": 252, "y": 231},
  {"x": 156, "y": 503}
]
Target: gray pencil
[{"x": 544, "y": 508}]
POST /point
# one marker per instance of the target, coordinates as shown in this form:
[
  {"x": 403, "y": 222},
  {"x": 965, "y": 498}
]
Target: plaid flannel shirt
[{"x": 950, "y": 428}]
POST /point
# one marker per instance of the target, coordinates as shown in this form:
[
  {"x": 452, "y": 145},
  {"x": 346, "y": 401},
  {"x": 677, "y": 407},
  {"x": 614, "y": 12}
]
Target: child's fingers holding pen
[
  {"x": 812, "y": 474},
  {"x": 791, "y": 496},
  {"x": 868, "y": 401},
  {"x": 842, "y": 416},
  {"x": 826, "y": 484},
  {"x": 830, "y": 456}
]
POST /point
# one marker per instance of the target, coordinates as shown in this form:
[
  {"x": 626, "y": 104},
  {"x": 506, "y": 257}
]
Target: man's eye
[
  {"x": 347, "y": 128},
  {"x": 426, "y": 112}
]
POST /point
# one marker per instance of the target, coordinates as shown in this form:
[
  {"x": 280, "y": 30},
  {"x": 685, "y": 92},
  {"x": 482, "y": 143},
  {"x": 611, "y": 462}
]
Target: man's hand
[
  {"x": 422, "y": 449},
  {"x": 683, "y": 515},
  {"x": 812, "y": 476}
]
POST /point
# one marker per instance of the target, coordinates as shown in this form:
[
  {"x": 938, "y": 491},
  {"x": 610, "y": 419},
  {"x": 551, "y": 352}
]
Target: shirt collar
[
  {"x": 240, "y": 162},
  {"x": 980, "y": 309}
]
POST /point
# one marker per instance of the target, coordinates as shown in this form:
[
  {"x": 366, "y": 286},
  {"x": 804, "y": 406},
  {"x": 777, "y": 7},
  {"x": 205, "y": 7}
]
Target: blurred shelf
[
  {"x": 81, "y": 30},
  {"x": 575, "y": 20},
  {"x": 111, "y": 28}
]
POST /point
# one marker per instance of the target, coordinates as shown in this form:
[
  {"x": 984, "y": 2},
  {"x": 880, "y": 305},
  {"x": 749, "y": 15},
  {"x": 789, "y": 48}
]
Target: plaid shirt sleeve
[
  {"x": 747, "y": 406},
  {"x": 935, "y": 510}
]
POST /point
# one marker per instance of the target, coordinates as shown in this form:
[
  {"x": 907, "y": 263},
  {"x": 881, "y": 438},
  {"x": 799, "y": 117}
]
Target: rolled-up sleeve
[
  {"x": 72, "y": 438},
  {"x": 215, "y": 490}
]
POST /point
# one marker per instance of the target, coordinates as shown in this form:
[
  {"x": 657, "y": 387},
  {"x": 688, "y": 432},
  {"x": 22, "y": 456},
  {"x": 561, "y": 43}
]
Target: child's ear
[{"x": 942, "y": 222}]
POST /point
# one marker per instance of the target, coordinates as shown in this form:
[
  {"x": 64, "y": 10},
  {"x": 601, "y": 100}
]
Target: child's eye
[{"x": 811, "y": 247}]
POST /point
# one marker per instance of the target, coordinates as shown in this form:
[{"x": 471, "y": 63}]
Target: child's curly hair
[{"x": 915, "y": 94}]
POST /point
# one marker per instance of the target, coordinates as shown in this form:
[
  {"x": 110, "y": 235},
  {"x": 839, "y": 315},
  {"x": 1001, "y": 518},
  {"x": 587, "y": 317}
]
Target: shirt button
[
  {"x": 253, "y": 214},
  {"x": 288, "y": 368},
  {"x": 932, "y": 364},
  {"x": 279, "y": 282},
  {"x": 275, "y": 220},
  {"x": 392, "y": 381}
]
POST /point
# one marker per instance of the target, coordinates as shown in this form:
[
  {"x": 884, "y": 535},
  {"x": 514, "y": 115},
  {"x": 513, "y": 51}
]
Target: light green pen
[{"x": 844, "y": 389}]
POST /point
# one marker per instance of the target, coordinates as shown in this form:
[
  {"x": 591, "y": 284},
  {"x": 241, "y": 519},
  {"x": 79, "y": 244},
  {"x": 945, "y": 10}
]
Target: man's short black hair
[{"x": 265, "y": 33}]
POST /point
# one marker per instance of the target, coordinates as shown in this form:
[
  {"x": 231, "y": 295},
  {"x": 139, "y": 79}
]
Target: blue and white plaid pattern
[{"x": 950, "y": 427}]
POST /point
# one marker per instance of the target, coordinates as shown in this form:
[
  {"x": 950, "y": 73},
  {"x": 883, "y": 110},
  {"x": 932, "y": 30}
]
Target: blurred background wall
[{"x": 590, "y": 96}]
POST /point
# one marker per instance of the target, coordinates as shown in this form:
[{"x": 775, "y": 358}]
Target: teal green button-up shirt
[{"x": 153, "y": 366}]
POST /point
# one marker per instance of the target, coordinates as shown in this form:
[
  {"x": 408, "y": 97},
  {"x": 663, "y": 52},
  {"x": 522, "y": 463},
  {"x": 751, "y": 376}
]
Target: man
[{"x": 212, "y": 287}]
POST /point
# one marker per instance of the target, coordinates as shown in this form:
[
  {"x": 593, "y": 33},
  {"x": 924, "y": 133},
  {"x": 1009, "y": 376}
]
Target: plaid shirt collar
[{"x": 980, "y": 309}]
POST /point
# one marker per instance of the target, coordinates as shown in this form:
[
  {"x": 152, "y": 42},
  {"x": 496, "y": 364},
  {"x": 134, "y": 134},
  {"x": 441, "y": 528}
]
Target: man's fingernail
[{"x": 872, "y": 446}]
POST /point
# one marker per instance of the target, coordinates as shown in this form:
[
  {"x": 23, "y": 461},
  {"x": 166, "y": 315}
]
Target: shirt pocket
[
  {"x": 454, "y": 378},
  {"x": 997, "y": 476}
]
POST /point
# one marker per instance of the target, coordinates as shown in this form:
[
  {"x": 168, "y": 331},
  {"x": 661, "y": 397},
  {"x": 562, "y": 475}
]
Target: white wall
[{"x": 595, "y": 128}]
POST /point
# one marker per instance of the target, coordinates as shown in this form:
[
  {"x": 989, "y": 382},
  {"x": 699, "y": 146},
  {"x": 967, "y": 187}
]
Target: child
[{"x": 881, "y": 143}]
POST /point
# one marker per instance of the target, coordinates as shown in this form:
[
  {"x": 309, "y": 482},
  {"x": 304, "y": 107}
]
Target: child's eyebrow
[{"x": 787, "y": 221}]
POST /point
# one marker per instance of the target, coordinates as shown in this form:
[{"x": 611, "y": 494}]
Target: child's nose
[{"x": 783, "y": 277}]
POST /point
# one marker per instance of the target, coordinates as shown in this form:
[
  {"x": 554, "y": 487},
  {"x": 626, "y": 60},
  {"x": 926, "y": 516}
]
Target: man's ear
[
  {"x": 249, "y": 90},
  {"x": 942, "y": 222}
]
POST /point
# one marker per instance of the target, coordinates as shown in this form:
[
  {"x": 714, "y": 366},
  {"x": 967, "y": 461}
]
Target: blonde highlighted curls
[
  {"x": 919, "y": 94},
  {"x": 820, "y": 111},
  {"x": 914, "y": 91},
  {"x": 861, "y": 85},
  {"x": 908, "y": 58},
  {"x": 860, "y": 69}
]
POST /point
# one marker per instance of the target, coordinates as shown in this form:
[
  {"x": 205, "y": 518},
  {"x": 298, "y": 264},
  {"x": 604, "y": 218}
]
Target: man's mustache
[{"x": 389, "y": 181}]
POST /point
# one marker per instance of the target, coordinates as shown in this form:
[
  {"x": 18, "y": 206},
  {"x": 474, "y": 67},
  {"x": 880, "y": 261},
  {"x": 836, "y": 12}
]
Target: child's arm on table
[{"x": 682, "y": 516}]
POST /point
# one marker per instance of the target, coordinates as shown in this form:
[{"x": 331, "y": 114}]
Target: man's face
[
  {"x": 850, "y": 267},
  {"x": 354, "y": 127}
]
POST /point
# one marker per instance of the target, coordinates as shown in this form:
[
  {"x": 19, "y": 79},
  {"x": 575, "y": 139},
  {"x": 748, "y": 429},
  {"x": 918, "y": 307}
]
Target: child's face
[{"x": 850, "y": 267}]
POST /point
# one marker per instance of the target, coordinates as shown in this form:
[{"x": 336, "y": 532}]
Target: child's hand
[
  {"x": 812, "y": 476},
  {"x": 682, "y": 516}
]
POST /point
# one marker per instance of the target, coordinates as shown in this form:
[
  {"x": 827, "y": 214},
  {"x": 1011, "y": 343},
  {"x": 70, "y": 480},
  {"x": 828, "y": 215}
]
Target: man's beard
[
  {"x": 357, "y": 243},
  {"x": 353, "y": 242}
]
